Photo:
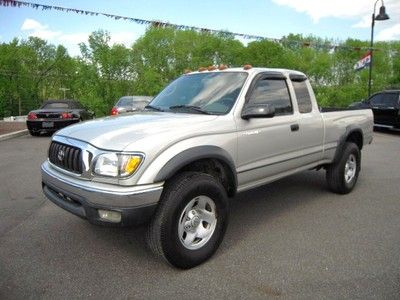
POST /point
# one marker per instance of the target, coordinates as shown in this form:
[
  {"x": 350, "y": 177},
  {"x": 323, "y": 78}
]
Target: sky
[{"x": 337, "y": 20}]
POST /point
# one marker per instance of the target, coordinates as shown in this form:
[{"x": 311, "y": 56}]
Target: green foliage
[{"x": 32, "y": 71}]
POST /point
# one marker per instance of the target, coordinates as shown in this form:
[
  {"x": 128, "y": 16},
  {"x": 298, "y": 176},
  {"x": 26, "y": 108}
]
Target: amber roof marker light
[
  {"x": 222, "y": 67},
  {"x": 247, "y": 67}
]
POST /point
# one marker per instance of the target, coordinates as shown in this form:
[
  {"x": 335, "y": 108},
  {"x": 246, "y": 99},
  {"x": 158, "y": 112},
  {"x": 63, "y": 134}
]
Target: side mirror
[{"x": 258, "y": 111}]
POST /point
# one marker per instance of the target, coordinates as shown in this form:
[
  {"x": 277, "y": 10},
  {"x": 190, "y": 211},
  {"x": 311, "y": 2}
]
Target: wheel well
[
  {"x": 216, "y": 168},
  {"x": 356, "y": 138}
]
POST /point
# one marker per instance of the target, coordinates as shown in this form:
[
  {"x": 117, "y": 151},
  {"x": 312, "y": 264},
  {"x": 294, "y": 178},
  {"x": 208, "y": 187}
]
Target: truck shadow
[
  {"x": 253, "y": 210},
  {"x": 394, "y": 132},
  {"x": 250, "y": 211}
]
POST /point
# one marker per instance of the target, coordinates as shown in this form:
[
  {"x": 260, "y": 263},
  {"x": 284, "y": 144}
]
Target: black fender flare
[
  {"x": 349, "y": 130},
  {"x": 197, "y": 153}
]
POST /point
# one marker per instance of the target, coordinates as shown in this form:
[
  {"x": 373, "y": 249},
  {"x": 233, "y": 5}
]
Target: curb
[{"x": 13, "y": 134}]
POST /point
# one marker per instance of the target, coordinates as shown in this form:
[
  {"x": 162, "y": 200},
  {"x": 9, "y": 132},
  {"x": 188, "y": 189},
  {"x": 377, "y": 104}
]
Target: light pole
[
  {"x": 382, "y": 16},
  {"x": 64, "y": 90}
]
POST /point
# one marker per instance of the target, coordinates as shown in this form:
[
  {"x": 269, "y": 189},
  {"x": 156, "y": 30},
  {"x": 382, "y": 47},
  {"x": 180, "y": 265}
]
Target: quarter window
[
  {"x": 273, "y": 92},
  {"x": 303, "y": 96}
]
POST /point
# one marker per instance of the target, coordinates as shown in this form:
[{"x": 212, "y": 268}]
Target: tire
[
  {"x": 180, "y": 217},
  {"x": 342, "y": 175},
  {"x": 34, "y": 133}
]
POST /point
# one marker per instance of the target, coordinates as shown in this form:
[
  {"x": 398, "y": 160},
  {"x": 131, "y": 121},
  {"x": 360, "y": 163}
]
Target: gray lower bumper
[{"x": 84, "y": 198}]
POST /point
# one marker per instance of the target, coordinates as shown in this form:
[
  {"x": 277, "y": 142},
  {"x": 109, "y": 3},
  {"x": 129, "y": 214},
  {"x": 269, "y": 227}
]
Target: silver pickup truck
[{"x": 207, "y": 136}]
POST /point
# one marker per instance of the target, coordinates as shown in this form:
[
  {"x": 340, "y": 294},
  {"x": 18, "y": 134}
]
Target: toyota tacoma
[{"x": 208, "y": 135}]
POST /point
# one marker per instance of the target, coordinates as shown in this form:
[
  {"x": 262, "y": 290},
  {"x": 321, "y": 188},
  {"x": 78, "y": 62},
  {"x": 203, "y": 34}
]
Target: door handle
[{"x": 294, "y": 127}]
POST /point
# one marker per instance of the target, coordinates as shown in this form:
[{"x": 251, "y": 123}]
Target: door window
[
  {"x": 390, "y": 100},
  {"x": 376, "y": 100},
  {"x": 303, "y": 96},
  {"x": 274, "y": 92}
]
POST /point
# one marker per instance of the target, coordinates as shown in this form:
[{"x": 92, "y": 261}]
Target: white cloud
[
  {"x": 389, "y": 34},
  {"x": 124, "y": 37},
  {"x": 345, "y": 9},
  {"x": 392, "y": 9},
  {"x": 351, "y": 9},
  {"x": 39, "y": 30},
  {"x": 30, "y": 24},
  {"x": 71, "y": 40},
  {"x": 364, "y": 23},
  {"x": 318, "y": 9},
  {"x": 79, "y": 37}
]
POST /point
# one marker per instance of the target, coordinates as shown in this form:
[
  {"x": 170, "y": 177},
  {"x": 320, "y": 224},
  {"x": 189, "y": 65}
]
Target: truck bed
[{"x": 338, "y": 121}]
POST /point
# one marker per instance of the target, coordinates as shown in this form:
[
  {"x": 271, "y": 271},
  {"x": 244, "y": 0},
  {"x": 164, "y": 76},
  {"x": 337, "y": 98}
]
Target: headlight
[{"x": 117, "y": 165}]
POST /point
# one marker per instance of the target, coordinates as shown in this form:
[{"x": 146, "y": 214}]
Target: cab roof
[{"x": 253, "y": 71}]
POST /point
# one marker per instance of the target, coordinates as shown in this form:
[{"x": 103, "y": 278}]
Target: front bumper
[{"x": 84, "y": 198}]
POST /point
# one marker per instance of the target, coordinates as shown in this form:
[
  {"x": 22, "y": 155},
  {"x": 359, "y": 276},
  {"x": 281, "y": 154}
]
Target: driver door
[{"x": 268, "y": 146}]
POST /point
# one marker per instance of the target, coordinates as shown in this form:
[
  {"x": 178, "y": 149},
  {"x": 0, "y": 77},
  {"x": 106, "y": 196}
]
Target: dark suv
[{"x": 385, "y": 106}]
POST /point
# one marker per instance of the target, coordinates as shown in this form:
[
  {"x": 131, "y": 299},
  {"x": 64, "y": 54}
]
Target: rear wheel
[
  {"x": 190, "y": 221},
  {"x": 342, "y": 175}
]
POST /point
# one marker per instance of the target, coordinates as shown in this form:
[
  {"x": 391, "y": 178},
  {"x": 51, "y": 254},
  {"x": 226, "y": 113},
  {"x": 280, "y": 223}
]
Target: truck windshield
[{"x": 211, "y": 93}]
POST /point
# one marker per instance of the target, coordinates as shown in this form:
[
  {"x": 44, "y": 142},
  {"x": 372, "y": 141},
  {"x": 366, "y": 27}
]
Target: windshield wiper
[
  {"x": 191, "y": 107},
  {"x": 154, "y": 107}
]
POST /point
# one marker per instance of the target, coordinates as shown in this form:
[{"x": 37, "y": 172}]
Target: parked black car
[
  {"x": 385, "y": 106},
  {"x": 56, "y": 114}
]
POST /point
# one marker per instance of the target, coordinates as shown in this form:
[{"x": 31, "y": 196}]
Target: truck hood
[{"x": 117, "y": 132}]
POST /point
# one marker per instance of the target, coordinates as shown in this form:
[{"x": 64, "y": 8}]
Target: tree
[{"x": 33, "y": 70}]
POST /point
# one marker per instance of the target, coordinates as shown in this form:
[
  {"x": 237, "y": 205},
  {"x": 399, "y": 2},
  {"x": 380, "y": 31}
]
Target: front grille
[{"x": 66, "y": 157}]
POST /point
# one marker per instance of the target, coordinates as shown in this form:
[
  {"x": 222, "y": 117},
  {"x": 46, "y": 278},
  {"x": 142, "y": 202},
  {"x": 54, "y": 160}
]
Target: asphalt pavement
[{"x": 289, "y": 239}]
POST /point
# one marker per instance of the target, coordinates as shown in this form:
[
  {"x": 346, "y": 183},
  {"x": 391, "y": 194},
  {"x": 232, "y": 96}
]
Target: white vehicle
[
  {"x": 127, "y": 104},
  {"x": 207, "y": 136}
]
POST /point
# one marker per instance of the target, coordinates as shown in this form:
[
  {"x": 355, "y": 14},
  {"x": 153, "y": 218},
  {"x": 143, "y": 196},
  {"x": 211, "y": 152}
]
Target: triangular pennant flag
[{"x": 363, "y": 62}]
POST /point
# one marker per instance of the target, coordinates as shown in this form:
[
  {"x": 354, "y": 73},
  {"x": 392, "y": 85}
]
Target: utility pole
[{"x": 64, "y": 90}]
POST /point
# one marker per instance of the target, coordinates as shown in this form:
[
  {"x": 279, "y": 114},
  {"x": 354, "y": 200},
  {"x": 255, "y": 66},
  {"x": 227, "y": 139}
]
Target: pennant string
[{"x": 159, "y": 24}]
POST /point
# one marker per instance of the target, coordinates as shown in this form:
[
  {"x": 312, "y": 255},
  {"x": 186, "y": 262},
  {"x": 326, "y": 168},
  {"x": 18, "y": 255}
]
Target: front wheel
[
  {"x": 190, "y": 221},
  {"x": 342, "y": 175}
]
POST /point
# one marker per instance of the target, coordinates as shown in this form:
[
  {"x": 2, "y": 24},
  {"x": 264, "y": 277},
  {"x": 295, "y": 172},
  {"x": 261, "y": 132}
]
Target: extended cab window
[
  {"x": 274, "y": 92},
  {"x": 303, "y": 96}
]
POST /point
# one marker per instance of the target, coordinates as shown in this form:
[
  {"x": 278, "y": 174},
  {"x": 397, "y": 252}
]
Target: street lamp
[{"x": 381, "y": 17}]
